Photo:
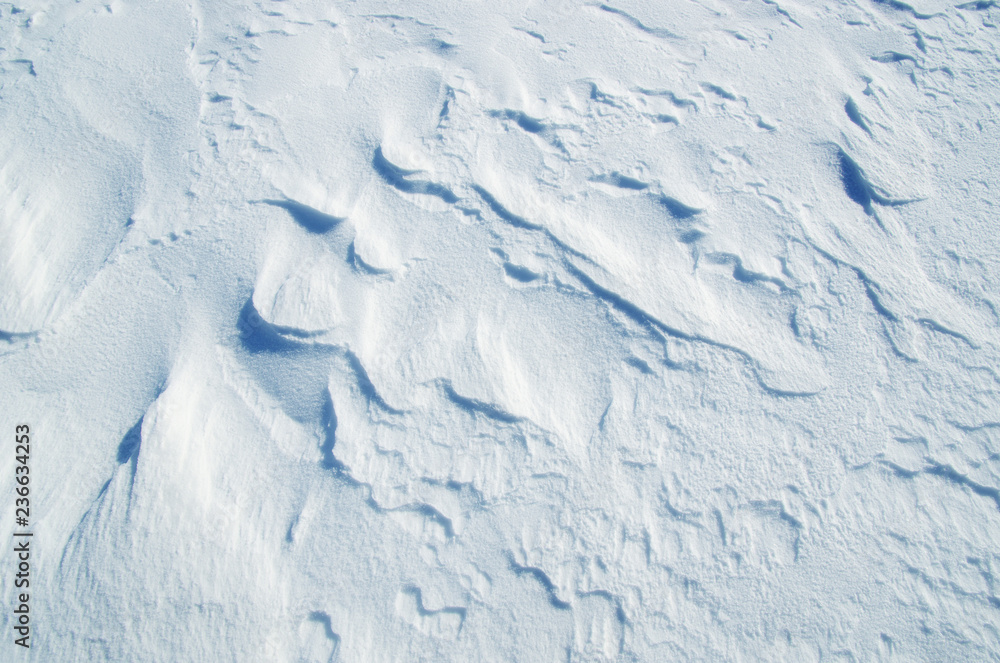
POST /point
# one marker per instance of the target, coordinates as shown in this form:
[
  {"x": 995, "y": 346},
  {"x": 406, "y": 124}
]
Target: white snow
[{"x": 456, "y": 331}]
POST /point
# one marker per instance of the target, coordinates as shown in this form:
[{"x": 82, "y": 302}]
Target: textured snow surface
[{"x": 534, "y": 331}]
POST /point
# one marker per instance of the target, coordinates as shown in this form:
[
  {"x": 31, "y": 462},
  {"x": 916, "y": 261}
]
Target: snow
[{"x": 457, "y": 331}]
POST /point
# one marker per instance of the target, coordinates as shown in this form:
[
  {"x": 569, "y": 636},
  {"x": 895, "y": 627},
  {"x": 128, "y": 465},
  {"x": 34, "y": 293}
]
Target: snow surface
[{"x": 521, "y": 331}]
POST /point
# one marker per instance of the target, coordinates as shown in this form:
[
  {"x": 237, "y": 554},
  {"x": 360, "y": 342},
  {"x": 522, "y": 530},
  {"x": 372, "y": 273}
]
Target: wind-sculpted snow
[
  {"x": 311, "y": 219},
  {"x": 621, "y": 331}
]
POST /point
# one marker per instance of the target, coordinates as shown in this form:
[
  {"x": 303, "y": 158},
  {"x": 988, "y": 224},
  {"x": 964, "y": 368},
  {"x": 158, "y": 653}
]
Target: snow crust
[{"x": 459, "y": 331}]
